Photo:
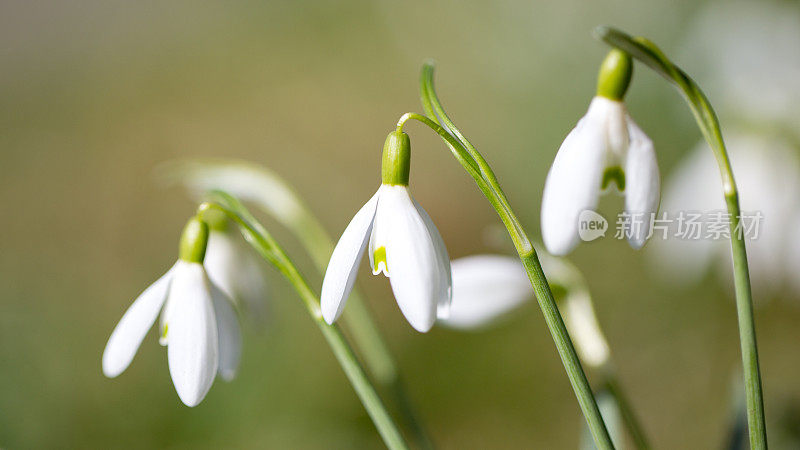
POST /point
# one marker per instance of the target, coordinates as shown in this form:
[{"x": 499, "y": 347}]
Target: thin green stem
[
  {"x": 521, "y": 241},
  {"x": 649, "y": 54},
  {"x": 434, "y": 109},
  {"x": 269, "y": 249},
  {"x": 360, "y": 324},
  {"x": 566, "y": 350},
  {"x": 279, "y": 200},
  {"x": 480, "y": 171}
]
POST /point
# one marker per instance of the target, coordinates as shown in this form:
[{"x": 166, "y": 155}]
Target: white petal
[
  {"x": 378, "y": 238},
  {"x": 193, "y": 348},
  {"x": 411, "y": 258},
  {"x": 230, "y": 336},
  {"x": 615, "y": 116},
  {"x": 485, "y": 287},
  {"x": 163, "y": 321},
  {"x": 582, "y": 324},
  {"x": 343, "y": 266},
  {"x": 573, "y": 183},
  {"x": 131, "y": 329},
  {"x": 234, "y": 268},
  {"x": 221, "y": 257},
  {"x": 642, "y": 185},
  {"x": 445, "y": 291}
]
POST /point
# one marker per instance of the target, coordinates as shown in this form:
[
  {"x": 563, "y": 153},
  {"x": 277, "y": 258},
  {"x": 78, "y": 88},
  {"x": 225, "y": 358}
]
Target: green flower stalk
[
  {"x": 649, "y": 54},
  {"x": 269, "y": 249},
  {"x": 273, "y": 195},
  {"x": 475, "y": 165}
]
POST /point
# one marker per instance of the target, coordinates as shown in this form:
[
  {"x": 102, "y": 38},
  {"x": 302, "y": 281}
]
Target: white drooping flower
[
  {"x": 489, "y": 287},
  {"x": 605, "y": 146},
  {"x": 198, "y": 324},
  {"x": 404, "y": 245},
  {"x": 767, "y": 173}
]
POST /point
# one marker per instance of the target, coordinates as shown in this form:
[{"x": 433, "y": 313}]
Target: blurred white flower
[
  {"x": 747, "y": 54},
  {"x": 486, "y": 287},
  {"x": 233, "y": 267},
  {"x": 404, "y": 245},
  {"x": 605, "y": 146},
  {"x": 489, "y": 287},
  {"x": 245, "y": 181},
  {"x": 767, "y": 172}
]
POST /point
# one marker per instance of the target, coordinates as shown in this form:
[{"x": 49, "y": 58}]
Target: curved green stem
[
  {"x": 268, "y": 248},
  {"x": 649, "y": 54},
  {"x": 277, "y": 199},
  {"x": 521, "y": 241},
  {"x": 484, "y": 177}
]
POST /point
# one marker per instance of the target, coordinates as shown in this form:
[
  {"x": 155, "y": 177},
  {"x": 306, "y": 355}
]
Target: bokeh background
[{"x": 96, "y": 94}]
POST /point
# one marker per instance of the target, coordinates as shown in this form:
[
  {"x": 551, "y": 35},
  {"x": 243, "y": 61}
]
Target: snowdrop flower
[
  {"x": 489, "y": 287},
  {"x": 199, "y": 326},
  {"x": 404, "y": 245},
  {"x": 767, "y": 170},
  {"x": 605, "y": 147}
]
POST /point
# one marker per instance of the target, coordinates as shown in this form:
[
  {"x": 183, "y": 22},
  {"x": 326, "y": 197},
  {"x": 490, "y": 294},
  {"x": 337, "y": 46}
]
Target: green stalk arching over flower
[
  {"x": 649, "y": 54},
  {"x": 269, "y": 249},
  {"x": 477, "y": 167},
  {"x": 273, "y": 195}
]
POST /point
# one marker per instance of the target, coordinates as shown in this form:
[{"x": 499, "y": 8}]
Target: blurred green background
[{"x": 96, "y": 94}]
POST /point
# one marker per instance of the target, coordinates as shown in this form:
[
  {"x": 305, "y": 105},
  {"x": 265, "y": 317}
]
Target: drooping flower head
[
  {"x": 605, "y": 149},
  {"x": 198, "y": 323},
  {"x": 403, "y": 242}
]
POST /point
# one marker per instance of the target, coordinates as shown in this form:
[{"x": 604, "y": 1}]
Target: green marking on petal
[
  {"x": 379, "y": 258},
  {"x": 615, "y": 174},
  {"x": 163, "y": 338}
]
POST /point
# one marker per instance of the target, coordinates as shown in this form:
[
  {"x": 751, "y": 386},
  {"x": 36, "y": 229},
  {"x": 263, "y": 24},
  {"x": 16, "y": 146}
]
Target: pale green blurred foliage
[{"x": 96, "y": 94}]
